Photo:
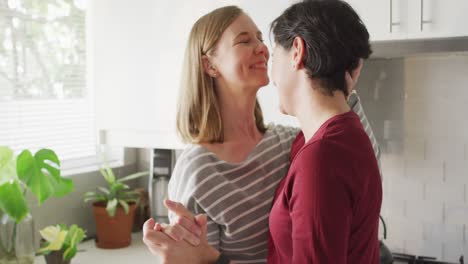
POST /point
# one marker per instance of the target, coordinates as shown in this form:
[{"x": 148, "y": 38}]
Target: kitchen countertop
[{"x": 135, "y": 253}]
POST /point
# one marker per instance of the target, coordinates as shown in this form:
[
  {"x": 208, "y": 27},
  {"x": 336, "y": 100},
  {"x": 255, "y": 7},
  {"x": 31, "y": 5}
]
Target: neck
[
  {"x": 237, "y": 113},
  {"x": 314, "y": 108}
]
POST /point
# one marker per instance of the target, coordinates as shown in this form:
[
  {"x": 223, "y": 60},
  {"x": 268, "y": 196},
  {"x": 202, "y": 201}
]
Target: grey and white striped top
[{"x": 237, "y": 197}]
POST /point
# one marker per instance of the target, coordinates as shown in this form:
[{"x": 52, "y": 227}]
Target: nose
[{"x": 262, "y": 49}]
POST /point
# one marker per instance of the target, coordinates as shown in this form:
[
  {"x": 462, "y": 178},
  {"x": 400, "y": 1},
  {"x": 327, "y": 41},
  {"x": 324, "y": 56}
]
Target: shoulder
[
  {"x": 312, "y": 152},
  {"x": 193, "y": 165},
  {"x": 281, "y": 130},
  {"x": 318, "y": 156},
  {"x": 283, "y": 135},
  {"x": 192, "y": 157}
]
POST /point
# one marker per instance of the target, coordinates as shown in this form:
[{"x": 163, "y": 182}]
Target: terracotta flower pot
[{"x": 113, "y": 232}]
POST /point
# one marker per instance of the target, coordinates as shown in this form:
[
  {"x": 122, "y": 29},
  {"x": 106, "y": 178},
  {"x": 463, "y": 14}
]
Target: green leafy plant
[
  {"x": 116, "y": 193},
  {"x": 61, "y": 238},
  {"x": 38, "y": 173}
]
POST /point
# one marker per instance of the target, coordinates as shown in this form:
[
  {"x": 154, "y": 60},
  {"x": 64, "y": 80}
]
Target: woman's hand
[
  {"x": 186, "y": 226},
  {"x": 182, "y": 242},
  {"x": 171, "y": 251}
]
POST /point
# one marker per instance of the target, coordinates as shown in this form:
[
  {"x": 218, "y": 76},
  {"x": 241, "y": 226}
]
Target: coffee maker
[{"x": 162, "y": 163}]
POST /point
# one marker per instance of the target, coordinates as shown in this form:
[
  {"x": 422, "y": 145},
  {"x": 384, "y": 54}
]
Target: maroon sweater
[{"x": 326, "y": 210}]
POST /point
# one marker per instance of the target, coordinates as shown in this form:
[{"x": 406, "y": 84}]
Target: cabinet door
[
  {"x": 135, "y": 105},
  {"x": 136, "y": 54},
  {"x": 438, "y": 18},
  {"x": 384, "y": 19}
]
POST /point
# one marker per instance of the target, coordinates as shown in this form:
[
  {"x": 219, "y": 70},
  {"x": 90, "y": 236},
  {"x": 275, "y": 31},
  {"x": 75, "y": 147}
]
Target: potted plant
[
  {"x": 39, "y": 174},
  {"x": 114, "y": 209},
  {"x": 59, "y": 243}
]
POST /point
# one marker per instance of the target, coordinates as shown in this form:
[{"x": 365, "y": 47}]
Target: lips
[{"x": 260, "y": 65}]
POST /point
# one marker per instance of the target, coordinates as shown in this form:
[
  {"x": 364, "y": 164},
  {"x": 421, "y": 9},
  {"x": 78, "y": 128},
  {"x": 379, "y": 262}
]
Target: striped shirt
[
  {"x": 237, "y": 198},
  {"x": 355, "y": 103}
]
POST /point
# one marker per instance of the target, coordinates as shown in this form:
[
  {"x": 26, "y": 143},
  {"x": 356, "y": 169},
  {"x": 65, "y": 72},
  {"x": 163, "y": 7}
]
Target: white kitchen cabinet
[
  {"x": 125, "y": 42},
  {"x": 389, "y": 20},
  {"x": 437, "y": 19},
  {"x": 384, "y": 19},
  {"x": 136, "y": 51}
]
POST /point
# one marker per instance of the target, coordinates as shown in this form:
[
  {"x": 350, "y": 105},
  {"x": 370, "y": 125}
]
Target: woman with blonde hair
[{"x": 234, "y": 163}]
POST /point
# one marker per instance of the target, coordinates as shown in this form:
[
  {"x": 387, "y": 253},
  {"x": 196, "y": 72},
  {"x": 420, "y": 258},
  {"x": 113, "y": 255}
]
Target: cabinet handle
[
  {"x": 422, "y": 21},
  {"x": 391, "y": 17}
]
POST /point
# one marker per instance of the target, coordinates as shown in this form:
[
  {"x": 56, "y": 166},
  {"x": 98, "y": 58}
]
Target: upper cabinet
[
  {"x": 437, "y": 18},
  {"x": 384, "y": 19},
  {"x": 136, "y": 51},
  {"x": 126, "y": 68},
  {"x": 413, "y": 19}
]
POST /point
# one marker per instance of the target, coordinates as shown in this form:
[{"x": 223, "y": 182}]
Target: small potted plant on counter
[
  {"x": 60, "y": 243},
  {"x": 38, "y": 174},
  {"x": 114, "y": 209}
]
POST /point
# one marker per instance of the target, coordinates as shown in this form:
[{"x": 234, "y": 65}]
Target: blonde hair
[{"x": 198, "y": 111}]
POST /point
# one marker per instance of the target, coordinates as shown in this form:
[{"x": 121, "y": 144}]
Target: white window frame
[{"x": 114, "y": 157}]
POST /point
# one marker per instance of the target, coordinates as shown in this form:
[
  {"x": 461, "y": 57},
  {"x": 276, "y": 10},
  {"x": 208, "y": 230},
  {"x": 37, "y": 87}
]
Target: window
[{"x": 44, "y": 100}]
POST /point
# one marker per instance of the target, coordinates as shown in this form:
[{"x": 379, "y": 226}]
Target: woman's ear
[
  {"x": 208, "y": 67},
  {"x": 357, "y": 72},
  {"x": 352, "y": 77},
  {"x": 298, "y": 53}
]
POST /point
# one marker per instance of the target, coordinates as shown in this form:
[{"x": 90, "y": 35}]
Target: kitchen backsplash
[{"x": 418, "y": 109}]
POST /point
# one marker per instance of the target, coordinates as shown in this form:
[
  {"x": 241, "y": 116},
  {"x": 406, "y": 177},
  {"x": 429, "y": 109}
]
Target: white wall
[{"x": 417, "y": 107}]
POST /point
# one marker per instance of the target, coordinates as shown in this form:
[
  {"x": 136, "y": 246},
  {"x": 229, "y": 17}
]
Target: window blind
[{"x": 44, "y": 100}]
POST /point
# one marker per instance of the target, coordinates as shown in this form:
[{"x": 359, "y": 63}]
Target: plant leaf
[
  {"x": 115, "y": 188},
  {"x": 75, "y": 236},
  {"x": 92, "y": 196},
  {"x": 110, "y": 173},
  {"x": 55, "y": 236},
  {"x": 6, "y": 155},
  {"x": 50, "y": 233},
  {"x": 89, "y": 194},
  {"x": 104, "y": 190},
  {"x": 64, "y": 187},
  {"x": 124, "y": 205},
  {"x": 13, "y": 202},
  {"x": 41, "y": 178},
  {"x": 30, "y": 174},
  {"x": 69, "y": 253},
  {"x": 111, "y": 207},
  {"x": 7, "y": 165},
  {"x": 133, "y": 176},
  {"x": 106, "y": 176}
]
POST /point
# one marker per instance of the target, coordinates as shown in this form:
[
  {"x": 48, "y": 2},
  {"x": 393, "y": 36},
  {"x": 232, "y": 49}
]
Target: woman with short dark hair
[{"x": 326, "y": 210}]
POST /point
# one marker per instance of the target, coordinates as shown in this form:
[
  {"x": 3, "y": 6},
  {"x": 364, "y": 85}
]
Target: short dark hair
[{"x": 334, "y": 36}]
